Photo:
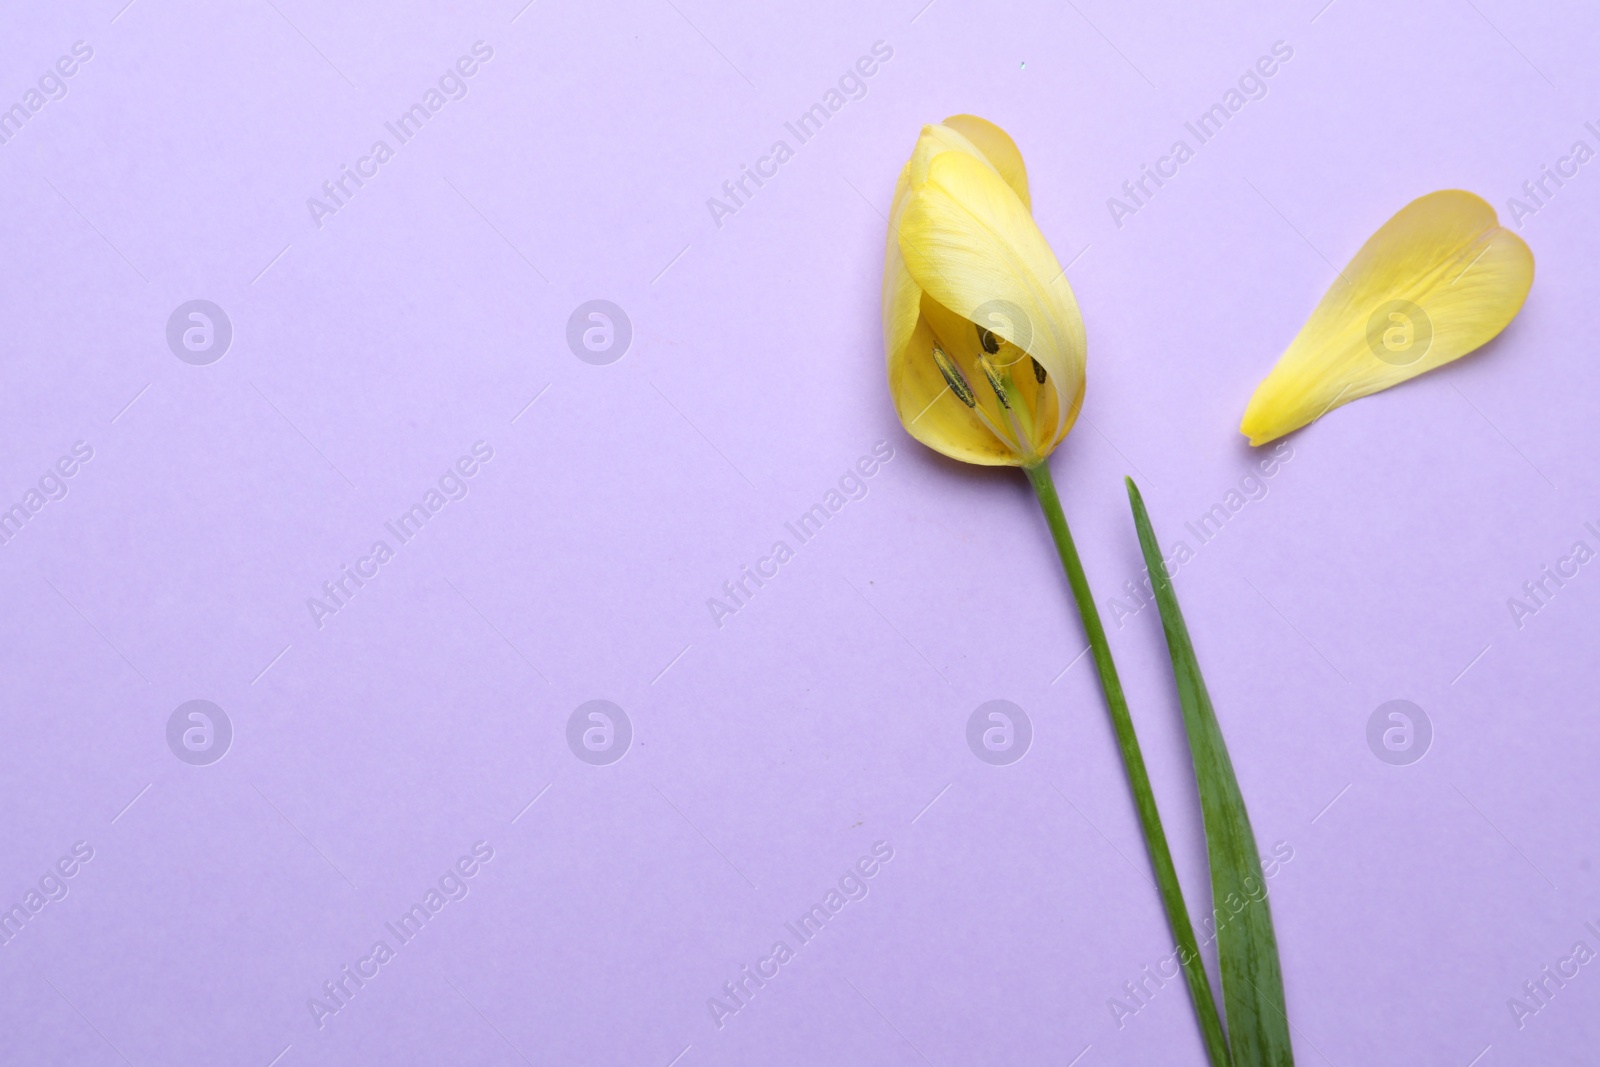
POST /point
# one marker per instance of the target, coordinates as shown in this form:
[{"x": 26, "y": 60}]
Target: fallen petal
[{"x": 1438, "y": 280}]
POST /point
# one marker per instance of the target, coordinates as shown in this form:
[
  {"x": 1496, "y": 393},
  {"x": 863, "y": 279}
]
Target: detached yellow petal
[{"x": 1438, "y": 280}]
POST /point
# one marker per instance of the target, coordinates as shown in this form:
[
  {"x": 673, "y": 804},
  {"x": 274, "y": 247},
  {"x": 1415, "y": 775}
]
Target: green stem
[{"x": 1155, "y": 839}]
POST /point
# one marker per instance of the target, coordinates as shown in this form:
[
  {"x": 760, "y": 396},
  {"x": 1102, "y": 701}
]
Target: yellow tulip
[
  {"x": 1439, "y": 279},
  {"x": 985, "y": 353},
  {"x": 982, "y": 334}
]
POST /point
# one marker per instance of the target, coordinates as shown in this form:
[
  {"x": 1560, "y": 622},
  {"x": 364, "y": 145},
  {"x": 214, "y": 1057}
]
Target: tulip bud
[{"x": 971, "y": 288}]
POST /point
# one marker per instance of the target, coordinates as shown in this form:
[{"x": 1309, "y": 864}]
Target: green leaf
[
  {"x": 1144, "y": 798},
  {"x": 1252, "y": 980}
]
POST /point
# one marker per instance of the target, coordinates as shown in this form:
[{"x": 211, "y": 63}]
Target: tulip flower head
[
  {"x": 982, "y": 334},
  {"x": 1439, "y": 279}
]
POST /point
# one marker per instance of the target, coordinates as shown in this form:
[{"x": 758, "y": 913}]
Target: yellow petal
[
  {"x": 1438, "y": 280},
  {"x": 901, "y": 296},
  {"x": 902, "y": 300},
  {"x": 998, "y": 148},
  {"x": 933, "y": 142},
  {"x": 970, "y": 243},
  {"x": 1037, "y": 404},
  {"x": 931, "y": 412}
]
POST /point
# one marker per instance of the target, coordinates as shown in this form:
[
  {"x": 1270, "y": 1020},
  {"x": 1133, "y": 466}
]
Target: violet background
[{"x": 829, "y": 713}]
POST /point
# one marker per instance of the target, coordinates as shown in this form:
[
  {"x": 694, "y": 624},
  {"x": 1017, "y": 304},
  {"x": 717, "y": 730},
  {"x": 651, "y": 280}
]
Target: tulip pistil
[{"x": 954, "y": 378}]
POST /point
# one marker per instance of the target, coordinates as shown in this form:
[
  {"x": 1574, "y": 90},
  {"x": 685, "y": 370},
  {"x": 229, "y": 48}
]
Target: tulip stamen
[
  {"x": 995, "y": 382},
  {"x": 986, "y": 338},
  {"x": 1038, "y": 370},
  {"x": 1039, "y": 396},
  {"x": 954, "y": 378},
  {"x": 1017, "y": 445},
  {"x": 1018, "y": 420},
  {"x": 958, "y": 385}
]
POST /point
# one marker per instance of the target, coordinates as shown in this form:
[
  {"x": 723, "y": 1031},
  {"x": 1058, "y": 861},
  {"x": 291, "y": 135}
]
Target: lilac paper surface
[{"x": 386, "y": 338}]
